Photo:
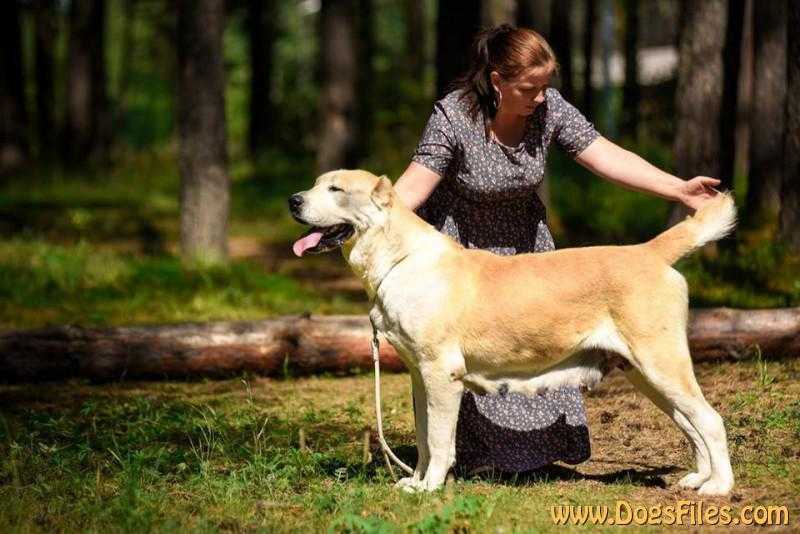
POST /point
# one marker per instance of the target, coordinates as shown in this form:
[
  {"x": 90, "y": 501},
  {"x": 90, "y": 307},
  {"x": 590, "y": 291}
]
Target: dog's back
[{"x": 538, "y": 308}]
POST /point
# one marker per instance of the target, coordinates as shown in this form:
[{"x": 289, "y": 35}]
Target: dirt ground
[
  {"x": 629, "y": 433},
  {"x": 632, "y": 439},
  {"x": 226, "y": 455}
]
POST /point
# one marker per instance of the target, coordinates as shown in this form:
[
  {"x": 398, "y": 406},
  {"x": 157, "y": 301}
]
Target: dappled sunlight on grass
[
  {"x": 225, "y": 455},
  {"x": 43, "y": 284}
]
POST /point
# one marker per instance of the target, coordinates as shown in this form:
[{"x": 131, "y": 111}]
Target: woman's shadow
[
  {"x": 650, "y": 477},
  {"x": 645, "y": 476}
]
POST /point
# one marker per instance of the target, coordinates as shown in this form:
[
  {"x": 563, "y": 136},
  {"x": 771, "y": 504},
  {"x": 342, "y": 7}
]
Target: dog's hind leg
[
  {"x": 668, "y": 370},
  {"x": 421, "y": 429},
  {"x": 442, "y": 377},
  {"x": 701, "y": 455}
]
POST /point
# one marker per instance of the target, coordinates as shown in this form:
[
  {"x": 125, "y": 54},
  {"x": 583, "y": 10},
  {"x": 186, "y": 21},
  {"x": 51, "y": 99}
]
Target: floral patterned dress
[{"x": 487, "y": 199}]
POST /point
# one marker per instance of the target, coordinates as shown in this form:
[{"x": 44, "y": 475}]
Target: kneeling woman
[{"x": 474, "y": 176}]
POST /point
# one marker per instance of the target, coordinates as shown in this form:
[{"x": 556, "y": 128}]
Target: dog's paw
[
  {"x": 421, "y": 486},
  {"x": 410, "y": 485},
  {"x": 407, "y": 482},
  {"x": 431, "y": 485},
  {"x": 716, "y": 487},
  {"x": 693, "y": 480}
]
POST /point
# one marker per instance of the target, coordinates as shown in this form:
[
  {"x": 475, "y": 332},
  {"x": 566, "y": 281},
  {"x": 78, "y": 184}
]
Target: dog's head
[{"x": 340, "y": 204}]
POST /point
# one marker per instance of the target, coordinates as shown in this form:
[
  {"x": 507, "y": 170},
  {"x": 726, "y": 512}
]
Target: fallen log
[
  {"x": 716, "y": 333},
  {"x": 273, "y": 347},
  {"x": 306, "y": 345}
]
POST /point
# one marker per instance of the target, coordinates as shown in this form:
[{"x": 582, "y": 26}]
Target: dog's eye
[{"x": 334, "y": 189}]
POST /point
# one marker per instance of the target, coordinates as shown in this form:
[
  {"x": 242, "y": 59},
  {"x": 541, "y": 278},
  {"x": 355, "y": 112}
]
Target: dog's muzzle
[
  {"x": 318, "y": 239},
  {"x": 295, "y": 205}
]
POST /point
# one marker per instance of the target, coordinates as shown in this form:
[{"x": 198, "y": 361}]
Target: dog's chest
[
  {"x": 402, "y": 333},
  {"x": 406, "y": 325}
]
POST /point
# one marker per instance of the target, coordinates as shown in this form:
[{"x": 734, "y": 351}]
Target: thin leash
[{"x": 385, "y": 449}]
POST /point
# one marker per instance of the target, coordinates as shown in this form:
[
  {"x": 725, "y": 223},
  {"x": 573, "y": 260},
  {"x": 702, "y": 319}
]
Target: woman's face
[{"x": 523, "y": 94}]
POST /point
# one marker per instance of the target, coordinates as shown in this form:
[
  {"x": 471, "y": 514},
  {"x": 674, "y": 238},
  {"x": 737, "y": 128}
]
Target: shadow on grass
[
  {"x": 91, "y": 220},
  {"x": 649, "y": 477},
  {"x": 644, "y": 475}
]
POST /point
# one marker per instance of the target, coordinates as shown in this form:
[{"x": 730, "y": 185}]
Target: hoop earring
[{"x": 498, "y": 100}]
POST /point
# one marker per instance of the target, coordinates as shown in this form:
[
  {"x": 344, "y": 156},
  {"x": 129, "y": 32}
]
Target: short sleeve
[
  {"x": 437, "y": 147},
  {"x": 572, "y": 131}
]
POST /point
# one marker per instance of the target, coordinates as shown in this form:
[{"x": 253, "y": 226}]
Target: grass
[
  {"x": 225, "y": 456},
  {"x": 136, "y": 202},
  {"x": 43, "y": 284},
  {"x": 93, "y": 250}
]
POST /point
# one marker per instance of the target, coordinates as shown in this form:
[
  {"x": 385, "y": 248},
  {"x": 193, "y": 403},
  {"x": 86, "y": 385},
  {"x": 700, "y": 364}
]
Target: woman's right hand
[
  {"x": 416, "y": 184},
  {"x": 697, "y": 191}
]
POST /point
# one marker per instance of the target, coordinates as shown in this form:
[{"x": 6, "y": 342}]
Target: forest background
[
  {"x": 125, "y": 124},
  {"x": 98, "y": 97}
]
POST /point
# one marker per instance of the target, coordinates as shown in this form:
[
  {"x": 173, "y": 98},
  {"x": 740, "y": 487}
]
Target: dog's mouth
[{"x": 322, "y": 239}]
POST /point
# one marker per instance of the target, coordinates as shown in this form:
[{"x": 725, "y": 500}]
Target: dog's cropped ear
[{"x": 382, "y": 194}]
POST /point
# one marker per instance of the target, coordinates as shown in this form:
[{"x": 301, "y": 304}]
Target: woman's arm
[
  {"x": 628, "y": 170},
  {"x": 416, "y": 184}
]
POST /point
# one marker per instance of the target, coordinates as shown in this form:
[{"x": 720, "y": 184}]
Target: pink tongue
[{"x": 306, "y": 242}]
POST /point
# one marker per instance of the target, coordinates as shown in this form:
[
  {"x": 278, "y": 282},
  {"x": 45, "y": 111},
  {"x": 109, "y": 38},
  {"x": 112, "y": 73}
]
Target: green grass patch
[
  {"x": 42, "y": 284},
  {"x": 137, "y": 201}
]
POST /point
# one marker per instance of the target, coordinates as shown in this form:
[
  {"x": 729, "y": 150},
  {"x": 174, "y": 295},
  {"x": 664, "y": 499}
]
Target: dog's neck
[{"x": 375, "y": 251}]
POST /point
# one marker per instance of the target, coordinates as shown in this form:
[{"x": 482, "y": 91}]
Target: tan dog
[{"x": 469, "y": 318}]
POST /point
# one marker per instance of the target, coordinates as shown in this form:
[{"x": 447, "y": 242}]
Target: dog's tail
[{"x": 713, "y": 221}]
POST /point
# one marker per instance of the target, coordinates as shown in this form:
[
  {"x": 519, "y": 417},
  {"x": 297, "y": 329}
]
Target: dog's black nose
[{"x": 295, "y": 201}]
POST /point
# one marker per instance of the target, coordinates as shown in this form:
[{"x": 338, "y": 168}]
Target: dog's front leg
[
  {"x": 443, "y": 390},
  {"x": 421, "y": 429}
]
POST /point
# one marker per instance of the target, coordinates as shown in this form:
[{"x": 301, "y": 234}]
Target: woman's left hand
[{"x": 697, "y": 191}]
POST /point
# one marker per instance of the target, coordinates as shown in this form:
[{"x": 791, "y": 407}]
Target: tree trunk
[
  {"x": 534, "y": 14},
  {"x": 45, "y": 35},
  {"x": 588, "y": 55},
  {"x": 561, "y": 41},
  {"x": 78, "y": 122},
  {"x": 496, "y": 12},
  {"x": 732, "y": 54},
  {"x": 769, "y": 107},
  {"x": 337, "y": 140},
  {"x": 415, "y": 38},
  {"x": 201, "y": 119},
  {"x": 745, "y": 103},
  {"x": 87, "y": 124},
  {"x": 607, "y": 39},
  {"x": 306, "y": 345},
  {"x": 698, "y": 97},
  {"x": 127, "y": 56},
  {"x": 457, "y": 22},
  {"x": 262, "y": 17},
  {"x": 13, "y": 115},
  {"x": 100, "y": 108},
  {"x": 790, "y": 192},
  {"x": 365, "y": 89},
  {"x": 630, "y": 92}
]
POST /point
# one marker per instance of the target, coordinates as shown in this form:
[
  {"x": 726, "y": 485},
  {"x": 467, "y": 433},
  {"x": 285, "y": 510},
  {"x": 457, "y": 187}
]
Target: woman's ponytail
[{"x": 505, "y": 49}]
